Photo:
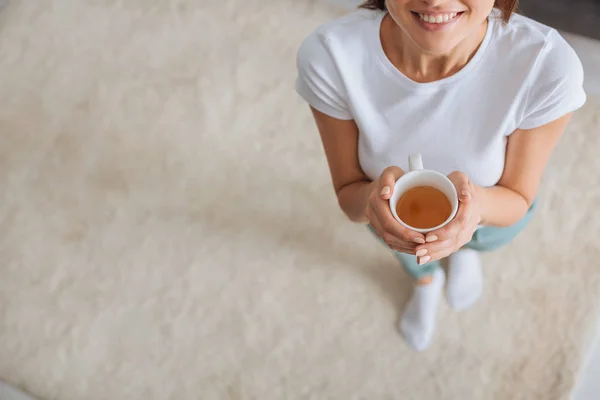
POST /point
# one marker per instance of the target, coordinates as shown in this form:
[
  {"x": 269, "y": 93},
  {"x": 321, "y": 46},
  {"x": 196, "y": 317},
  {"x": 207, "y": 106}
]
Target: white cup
[{"x": 417, "y": 176}]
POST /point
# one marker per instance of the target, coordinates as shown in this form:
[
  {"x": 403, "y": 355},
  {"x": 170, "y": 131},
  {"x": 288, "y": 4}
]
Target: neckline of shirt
[{"x": 409, "y": 83}]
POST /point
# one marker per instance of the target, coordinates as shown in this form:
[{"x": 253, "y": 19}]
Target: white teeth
[{"x": 439, "y": 18}]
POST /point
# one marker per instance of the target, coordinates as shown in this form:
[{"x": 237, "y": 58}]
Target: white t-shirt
[{"x": 523, "y": 75}]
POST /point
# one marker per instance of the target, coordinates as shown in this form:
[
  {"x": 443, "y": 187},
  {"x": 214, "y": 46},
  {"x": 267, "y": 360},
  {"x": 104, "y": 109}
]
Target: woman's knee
[{"x": 413, "y": 269}]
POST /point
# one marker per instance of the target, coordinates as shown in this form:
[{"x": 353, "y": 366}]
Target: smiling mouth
[{"x": 438, "y": 18}]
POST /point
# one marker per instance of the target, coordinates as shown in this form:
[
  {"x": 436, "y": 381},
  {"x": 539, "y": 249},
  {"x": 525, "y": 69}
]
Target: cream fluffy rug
[{"x": 168, "y": 229}]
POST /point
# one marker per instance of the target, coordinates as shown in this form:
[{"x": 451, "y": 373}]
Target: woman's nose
[{"x": 433, "y": 3}]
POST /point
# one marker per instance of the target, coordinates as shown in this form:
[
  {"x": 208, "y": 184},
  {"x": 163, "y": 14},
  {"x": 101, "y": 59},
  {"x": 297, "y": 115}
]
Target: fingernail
[
  {"x": 385, "y": 190},
  {"x": 421, "y": 252},
  {"x": 419, "y": 240},
  {"x": 423, "y": 260},
  {"x": 431, "y": 238},
  {"x": 466, "y": 193}
]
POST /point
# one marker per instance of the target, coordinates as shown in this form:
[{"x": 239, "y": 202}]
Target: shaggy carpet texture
[{"x": 168, "y": 229}]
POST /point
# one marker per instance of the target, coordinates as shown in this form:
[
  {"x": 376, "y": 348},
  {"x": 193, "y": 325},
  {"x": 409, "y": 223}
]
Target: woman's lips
[{"x": 437, "y": 21}]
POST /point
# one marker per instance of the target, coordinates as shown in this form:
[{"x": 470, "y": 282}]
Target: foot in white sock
[
  {"x": 417, "y": 324},
  {"x": 465, "y": 279}
]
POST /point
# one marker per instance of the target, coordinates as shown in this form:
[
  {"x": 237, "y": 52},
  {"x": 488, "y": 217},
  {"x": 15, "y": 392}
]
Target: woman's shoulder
[
  {"x": 524, "y": 40},
  {"x": 525, "y": 27},
  {"x": 328, "y": 53},
  {"x": 551, "y": 70},
  {"x": 352, "y": 29},
  {"x": 525, "y": 35}
]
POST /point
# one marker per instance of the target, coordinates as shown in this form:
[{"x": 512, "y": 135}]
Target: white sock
[
  {"x": 465, "y": 279},
  {"x": 417, "y": 324}
]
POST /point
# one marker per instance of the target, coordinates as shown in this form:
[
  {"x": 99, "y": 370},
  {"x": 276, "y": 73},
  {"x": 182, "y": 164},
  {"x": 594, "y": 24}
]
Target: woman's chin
[{"x": 435, "y": 48}]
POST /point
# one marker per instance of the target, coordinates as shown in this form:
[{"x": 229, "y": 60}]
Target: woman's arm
[
  {"x": 506, "y": 203},
  {"x": 340, "y": 142},
  {"x": 361, "y": 199},
  {"x": 527, "y": 155}
]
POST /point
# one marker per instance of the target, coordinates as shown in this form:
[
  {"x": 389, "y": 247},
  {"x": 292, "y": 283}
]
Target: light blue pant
[{"x": 487, "y": 238}]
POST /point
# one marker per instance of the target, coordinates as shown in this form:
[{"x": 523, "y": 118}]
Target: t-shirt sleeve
[
  {"x": 318, "y": 81},
  {"x": 556, "y": 85}
]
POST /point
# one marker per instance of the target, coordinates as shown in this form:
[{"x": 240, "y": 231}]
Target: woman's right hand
[{"x": 380, "y": 217}]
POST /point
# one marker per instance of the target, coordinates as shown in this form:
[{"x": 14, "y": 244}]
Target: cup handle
[{"x": 415, "y": 162}]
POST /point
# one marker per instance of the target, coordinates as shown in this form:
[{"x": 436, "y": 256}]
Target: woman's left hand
[{"x": 447, "y": 240}]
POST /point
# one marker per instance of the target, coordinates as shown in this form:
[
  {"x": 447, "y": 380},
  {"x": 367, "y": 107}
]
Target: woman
[{"x": 482, "y": 93}]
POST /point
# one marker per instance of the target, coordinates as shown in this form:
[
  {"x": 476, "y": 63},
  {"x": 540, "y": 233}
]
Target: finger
[
  {"x": 454, "y": 227},
  {"x": 395, "y": 240},
  {"x": 398, "y": 244},
  {"x": 434, "y": 256},
  {"x": 391, "y": 241},
  {"x": 463, "y": 185},
  {"x": 373, "y": 221},
  {"x": 392, "y": 227},
  {"x": 388, "y": 178},
  {"x": 404, "y": 247},
  {"x": 406, "y": 250},
  {"x": 447, "y": 232},
  {"x": 435, "y": 251}
]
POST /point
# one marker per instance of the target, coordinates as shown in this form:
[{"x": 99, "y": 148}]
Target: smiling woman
[
  {"x": 506, "y": 6},
  {"x": 464, "y": 18},
  {"x": 482, "y": 93}
]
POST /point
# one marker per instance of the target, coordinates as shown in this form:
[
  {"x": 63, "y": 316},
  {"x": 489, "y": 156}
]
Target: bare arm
[
  {"x": 506, "y": 203},
  {"x": 351, "y": 185},
  {"x": 527, "y": 155},
  {"x": 361, "y": 199}
]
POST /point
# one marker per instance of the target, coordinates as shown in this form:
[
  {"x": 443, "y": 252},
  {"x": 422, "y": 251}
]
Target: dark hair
[{"x": 507, "y": 7}]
